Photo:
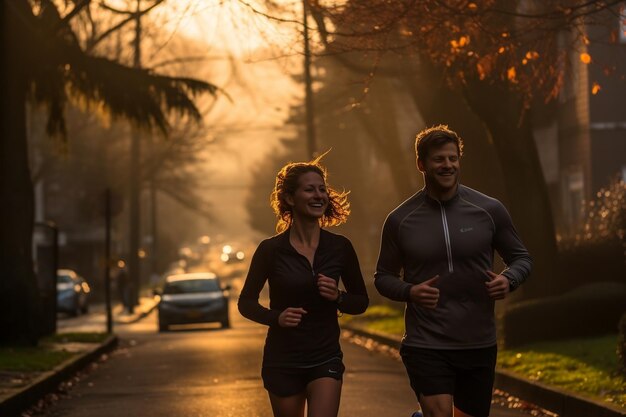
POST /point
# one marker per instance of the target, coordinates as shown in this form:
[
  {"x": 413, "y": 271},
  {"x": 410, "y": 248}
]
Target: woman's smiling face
[{"x": 310, "y": 198}]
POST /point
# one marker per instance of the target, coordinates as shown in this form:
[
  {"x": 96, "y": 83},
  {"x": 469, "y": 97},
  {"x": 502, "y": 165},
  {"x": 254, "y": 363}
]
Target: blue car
[
  {"x": 193, "y": 298},
  {"x": 72, "y": 293}
]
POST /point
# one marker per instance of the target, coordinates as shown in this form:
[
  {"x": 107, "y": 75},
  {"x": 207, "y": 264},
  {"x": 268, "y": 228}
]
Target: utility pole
[
  {"x": 135, "y": 185},
  {"x": 153, "y": 226},
  {"x": 308, "y": 86},
  {"x": 107, "y": 259}
]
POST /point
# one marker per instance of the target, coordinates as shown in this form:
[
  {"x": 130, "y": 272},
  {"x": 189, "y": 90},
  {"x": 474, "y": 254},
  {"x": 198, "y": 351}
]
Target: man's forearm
[{"x": 392, "y": 286}]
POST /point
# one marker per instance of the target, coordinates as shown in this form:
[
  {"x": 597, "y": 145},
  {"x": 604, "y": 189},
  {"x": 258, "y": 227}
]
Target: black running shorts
[
  {"x": 285, "y": 382},
  {"x": 466, "y": 374}
]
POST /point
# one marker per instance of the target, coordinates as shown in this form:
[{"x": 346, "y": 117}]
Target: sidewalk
[
  {"x": 14, "y": 401},
  {"x": 145, "y": 306}
]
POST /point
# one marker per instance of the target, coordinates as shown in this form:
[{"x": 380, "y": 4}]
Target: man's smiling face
[{"x": 441, "y": 170}]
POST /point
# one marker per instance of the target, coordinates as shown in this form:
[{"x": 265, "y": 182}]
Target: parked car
[
  {"x": 193, "y": 298},
  {"x": 72, "y": 293}
]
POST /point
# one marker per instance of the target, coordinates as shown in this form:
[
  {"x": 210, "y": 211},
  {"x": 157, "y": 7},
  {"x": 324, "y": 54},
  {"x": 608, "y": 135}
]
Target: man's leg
[
  {"x": 474, "y": 384},
  {"x": 439, "y": 405},
  {"x": 459, "y": 413},
  {"x": 432, "y": 379}
]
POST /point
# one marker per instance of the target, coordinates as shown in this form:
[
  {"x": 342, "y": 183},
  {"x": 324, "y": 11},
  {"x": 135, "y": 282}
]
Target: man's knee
[{"x": 439, "y": 405}]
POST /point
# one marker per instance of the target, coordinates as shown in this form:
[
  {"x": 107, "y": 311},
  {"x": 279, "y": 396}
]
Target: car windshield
[
  {"x": 191, "y": 286},
  {"x": 64, "y": 279}
]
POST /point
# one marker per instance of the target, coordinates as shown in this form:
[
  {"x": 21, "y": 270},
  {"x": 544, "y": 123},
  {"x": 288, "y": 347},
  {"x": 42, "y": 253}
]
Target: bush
[
  {"x": 589, "y": 310},
  {"x": 590, "y": 261},
  {"x": 596, "y": 251},
  {"x": 605, "y": 216}
]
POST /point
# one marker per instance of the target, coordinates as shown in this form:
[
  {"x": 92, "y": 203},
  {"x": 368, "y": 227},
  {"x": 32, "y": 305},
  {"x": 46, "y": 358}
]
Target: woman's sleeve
[
  {"x": 248, "y": 303},
  {"x": 355, "y": 300}
]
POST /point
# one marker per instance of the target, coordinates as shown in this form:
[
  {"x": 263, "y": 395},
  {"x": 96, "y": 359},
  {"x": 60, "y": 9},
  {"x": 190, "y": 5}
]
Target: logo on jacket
[{"x": 466, "y": 229}]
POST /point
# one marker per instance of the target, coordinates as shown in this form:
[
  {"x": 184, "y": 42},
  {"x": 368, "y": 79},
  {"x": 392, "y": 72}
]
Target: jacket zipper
[{"x": 446, "y": 235}]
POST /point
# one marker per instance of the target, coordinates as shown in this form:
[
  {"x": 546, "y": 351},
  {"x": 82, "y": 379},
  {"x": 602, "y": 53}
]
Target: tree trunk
[
  {"x": 439, "y": 104},
  {"x": 380, "y": 126},
  {"x": 503, "y": 113},
  {"x": 19, "y": 299},
  {"x": 501, "y": 157}
]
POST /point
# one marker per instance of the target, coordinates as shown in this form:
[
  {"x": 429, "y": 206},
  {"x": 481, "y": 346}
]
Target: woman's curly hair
[{"x": 287, "y": 182}]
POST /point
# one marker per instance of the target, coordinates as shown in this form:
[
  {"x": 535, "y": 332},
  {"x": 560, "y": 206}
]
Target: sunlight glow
[{"x": 237, "y": 26}]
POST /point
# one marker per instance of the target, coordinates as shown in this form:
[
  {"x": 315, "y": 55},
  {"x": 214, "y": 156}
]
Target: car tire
[
  {"x": 75, "y": 311},
  {"x": 162, "y": 326},
  {"x": 85, "y": 309}
]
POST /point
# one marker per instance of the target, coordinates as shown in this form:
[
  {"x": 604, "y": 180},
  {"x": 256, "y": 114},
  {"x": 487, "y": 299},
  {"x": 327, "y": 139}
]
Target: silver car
[
  {"x": 72, "y": 293},
  {"x": 193, "y": 298}
]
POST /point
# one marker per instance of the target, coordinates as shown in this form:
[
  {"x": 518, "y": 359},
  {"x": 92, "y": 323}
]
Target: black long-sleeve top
[{"x": 293, "y": 283}]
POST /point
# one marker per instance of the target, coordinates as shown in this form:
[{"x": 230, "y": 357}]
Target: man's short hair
[{"x": 434, "y": 137}]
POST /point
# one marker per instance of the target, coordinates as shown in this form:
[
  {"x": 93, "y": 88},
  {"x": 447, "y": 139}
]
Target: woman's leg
[
  {"x": 323, "y": 395},
  {"x": 292, "y": 406}
]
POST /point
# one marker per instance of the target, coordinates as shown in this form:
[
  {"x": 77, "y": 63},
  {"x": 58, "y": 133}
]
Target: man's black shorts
[
  {"x": 285, "y": 382},
  {"x": 466, "y": 374}
]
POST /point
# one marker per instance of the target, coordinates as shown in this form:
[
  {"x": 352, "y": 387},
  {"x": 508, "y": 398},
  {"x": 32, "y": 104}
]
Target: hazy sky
[{"x": 259, "y": 57}]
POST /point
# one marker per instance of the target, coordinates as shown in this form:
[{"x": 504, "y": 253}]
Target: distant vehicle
[
  {"x": 230, "y": 254},
  {"x": 193, "y": 298},
  {"x": 72, "y": 293}
]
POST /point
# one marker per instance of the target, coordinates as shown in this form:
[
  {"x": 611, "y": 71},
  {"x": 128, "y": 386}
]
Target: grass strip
[
  {"x": 31, "y": 359},
  {"x": 46, "y": 356},
  {"x": 89, "y": 337},
  {"x": 584, "y": 366}
]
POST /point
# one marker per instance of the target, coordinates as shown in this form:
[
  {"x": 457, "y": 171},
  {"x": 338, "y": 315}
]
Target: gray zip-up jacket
[{"x": 454, "y": 239}]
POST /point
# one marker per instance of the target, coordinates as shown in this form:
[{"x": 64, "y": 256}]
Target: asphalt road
[{"x": 213, "y": 372}]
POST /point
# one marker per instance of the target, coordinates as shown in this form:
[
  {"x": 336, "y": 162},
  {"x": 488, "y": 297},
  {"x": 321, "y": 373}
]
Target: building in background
[{"x": 584, "y": 147}]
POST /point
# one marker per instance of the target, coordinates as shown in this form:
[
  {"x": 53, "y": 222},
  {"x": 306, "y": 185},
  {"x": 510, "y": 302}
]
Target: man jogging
[{"x": 442, "y": 241}]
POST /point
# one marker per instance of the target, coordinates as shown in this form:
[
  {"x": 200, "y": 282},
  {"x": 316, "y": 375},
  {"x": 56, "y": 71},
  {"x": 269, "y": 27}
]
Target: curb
[
  {"x": 144, "y": 310},
  {"x": 564, "y": 403},
  {"x": 49, "y": 381}
]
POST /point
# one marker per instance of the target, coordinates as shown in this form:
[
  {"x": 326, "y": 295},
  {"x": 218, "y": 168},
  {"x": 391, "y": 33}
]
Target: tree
[
  {"x": 43, "y": 61},
  {"x": 506, "y": 60}
]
